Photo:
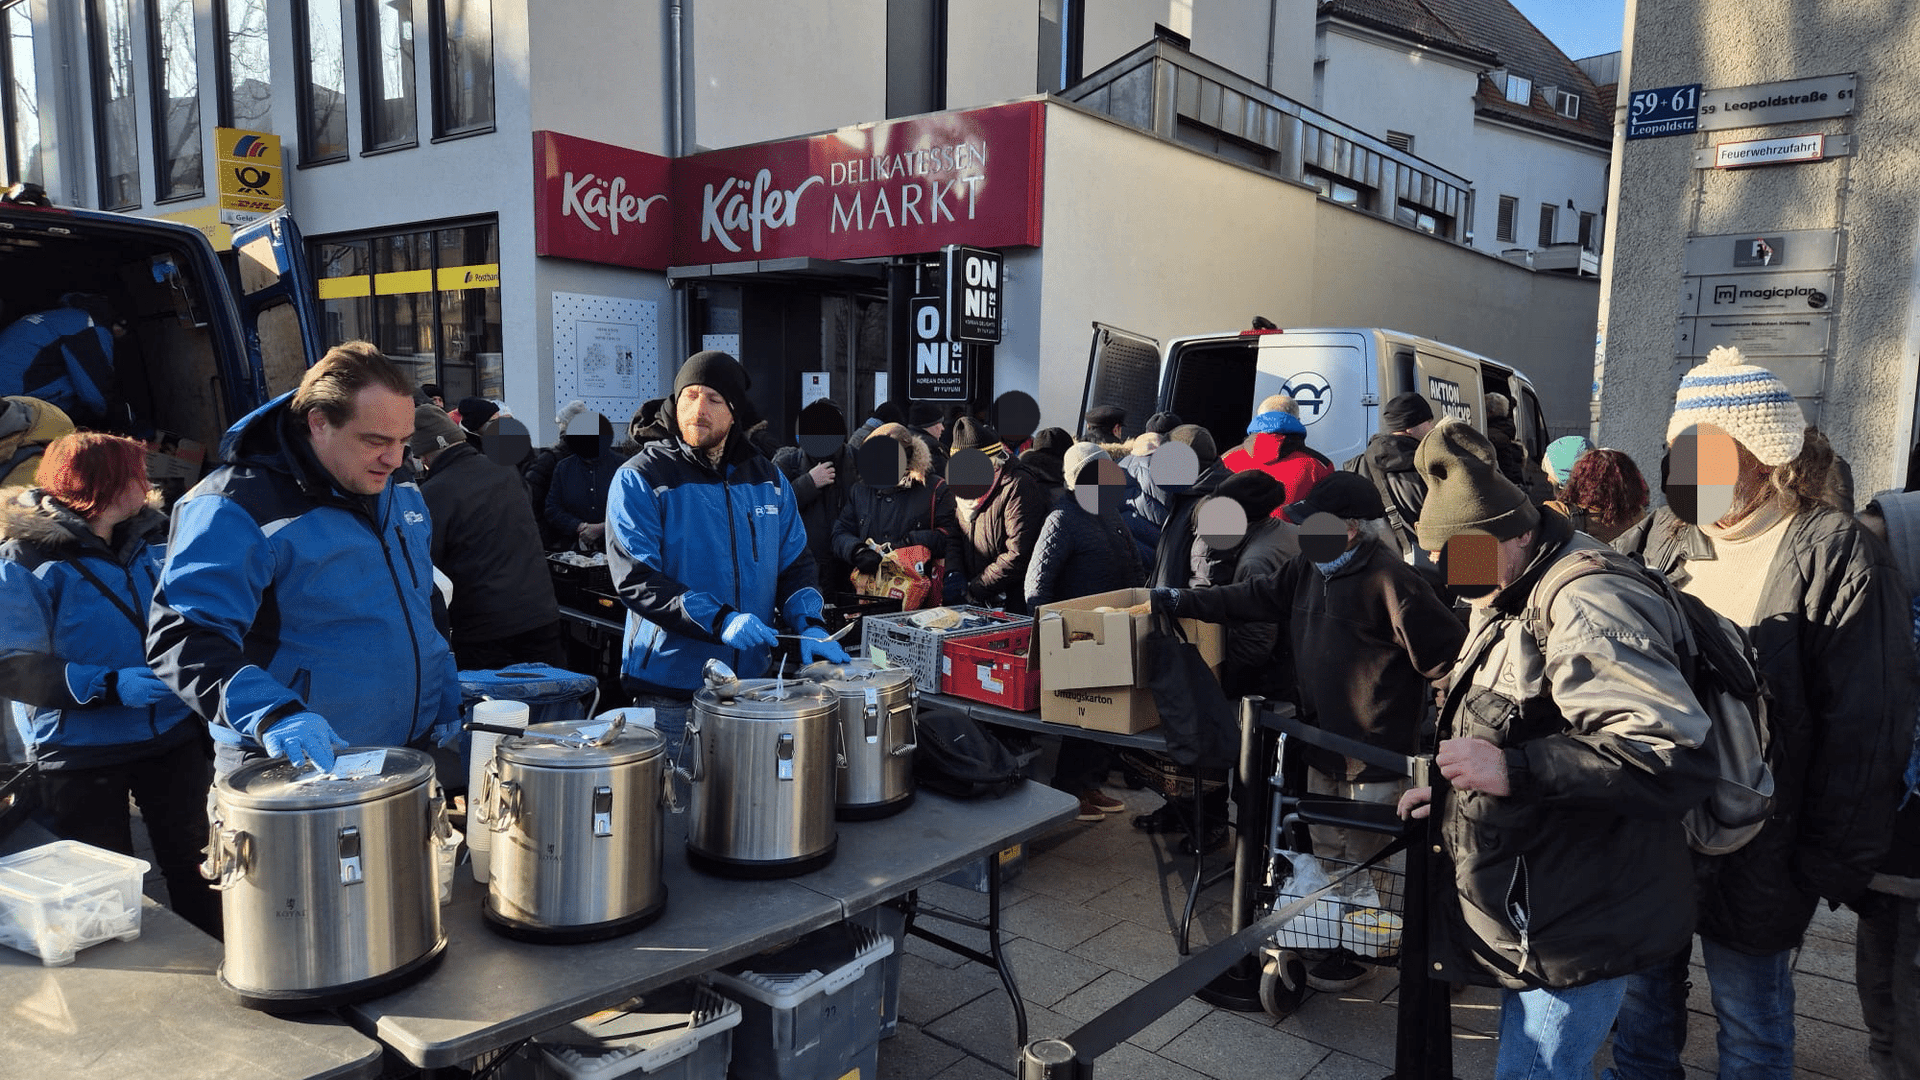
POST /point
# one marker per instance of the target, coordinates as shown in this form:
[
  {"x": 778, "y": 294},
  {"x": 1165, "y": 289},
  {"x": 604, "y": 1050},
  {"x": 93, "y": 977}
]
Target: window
[
  {"x": 1567, "y": 104},
  {"x": 386, "y": 74},
  {"x": 462, "y": 67},
  {"x": 1548, "y": 212},
  {"x": 916, "y": 56},
  {"x": 1589, "y": 237},
  {"x": 1503, "y": 229},
  {"x": 1400, "y": 141},
  {"x": 22, "y": 102},
  {"x": 322, "y": 82},
  {"x": 1519, "y": 89},
  {"x": 1432, "y": 222},
  {"x": 177, "y": 171},
  {"x": 116, "y": 129},
  {"x": 428, "y": 297},
  {"x": 1340, "y": 190},
  {"x": 246, "y": 79}
]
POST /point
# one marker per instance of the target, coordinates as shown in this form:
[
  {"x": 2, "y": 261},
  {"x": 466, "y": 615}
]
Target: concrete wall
[
  {"x": 602, "y": 68},
  {"x": 774, "y": 70},
  {"x": 1147, "y": 251},
  {"x": 1537, "y": 170},
  {"x": 1868, "y": 412},
  {"x": 1380, "y": 86},
  {"x": 1367, "y": 272},
  {"x": 992, "y": 51}
]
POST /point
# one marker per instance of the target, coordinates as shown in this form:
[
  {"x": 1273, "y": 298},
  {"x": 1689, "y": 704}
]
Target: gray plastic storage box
[
  {"x": 678, "y": 1032},
  {"x": 811, "y": 1010},
  {"x": 888, "y": 922}
]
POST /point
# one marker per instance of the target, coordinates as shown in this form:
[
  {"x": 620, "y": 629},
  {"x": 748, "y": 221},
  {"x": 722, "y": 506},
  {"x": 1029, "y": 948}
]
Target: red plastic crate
[{"x": 991, "y": 666}]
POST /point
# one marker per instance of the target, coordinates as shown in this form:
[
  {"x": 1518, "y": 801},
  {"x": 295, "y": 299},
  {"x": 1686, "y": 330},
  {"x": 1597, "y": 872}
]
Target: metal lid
[
  {"x": 855, "y": 676},
  {"x": 276, "y": 784},
  {"x": 633, "y": 744},
  {"x": 769, "y": 699}
]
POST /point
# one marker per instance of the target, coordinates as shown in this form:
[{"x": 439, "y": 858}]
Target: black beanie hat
[
  {"x": 1403, "y": 411},
  {"x": 1162, "y": 422},
  {"x": 1052, "y": 440},
  {"x": 475, "y": 412},
  {"x": 1257, "y": 492},
  {"x": 971, "y": 434},
  {"x": 922, "y": 413},
  {"x": 717, "y": 371}
]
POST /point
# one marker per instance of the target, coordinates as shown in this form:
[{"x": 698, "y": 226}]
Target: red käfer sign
[{"x": 602, "y": 203}]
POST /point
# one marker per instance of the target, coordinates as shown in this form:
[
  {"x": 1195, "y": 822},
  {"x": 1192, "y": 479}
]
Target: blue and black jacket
[
  {"x": 60, "y": 356},
  {"x": 73, "y": 611},
  {"x": 282, "y": 594},
  {"x": 689, "y": 545}
]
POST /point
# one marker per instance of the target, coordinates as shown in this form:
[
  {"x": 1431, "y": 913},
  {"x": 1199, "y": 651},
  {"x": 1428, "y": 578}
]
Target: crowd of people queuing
[{"x": 361, "y": 544}]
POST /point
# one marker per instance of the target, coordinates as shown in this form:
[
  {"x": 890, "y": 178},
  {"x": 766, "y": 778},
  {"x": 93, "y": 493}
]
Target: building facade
[
  {"x": 444, "y": 159},
  {"x": 1773, "y": 206}
]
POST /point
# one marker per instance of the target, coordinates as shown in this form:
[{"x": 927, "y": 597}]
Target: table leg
[{"x": 994, "y": 957}]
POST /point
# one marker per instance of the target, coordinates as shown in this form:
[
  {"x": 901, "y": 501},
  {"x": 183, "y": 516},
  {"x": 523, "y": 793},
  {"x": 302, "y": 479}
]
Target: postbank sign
[{"x": 252, "y": 177}]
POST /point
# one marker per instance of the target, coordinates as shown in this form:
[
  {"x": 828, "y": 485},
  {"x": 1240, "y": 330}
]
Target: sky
[{"x": 1580, "y": 27}]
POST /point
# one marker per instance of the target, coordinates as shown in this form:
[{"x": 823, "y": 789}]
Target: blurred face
[
  {"x": 363, "y": 453},
  {"x": 703, "y": 416},
  {"x": 1419, "y": 430}
]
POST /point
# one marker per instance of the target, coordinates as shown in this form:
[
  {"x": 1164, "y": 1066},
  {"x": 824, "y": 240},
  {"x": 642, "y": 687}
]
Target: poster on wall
[
  {"x": 815, "y": 386},
  {"x": 606, "y": 352}
]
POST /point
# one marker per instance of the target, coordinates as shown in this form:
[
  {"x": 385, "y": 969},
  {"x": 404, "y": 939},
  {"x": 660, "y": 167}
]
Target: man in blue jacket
[
  {"x": 294, "y": 611},
  {"x": 706, "y": 545}
]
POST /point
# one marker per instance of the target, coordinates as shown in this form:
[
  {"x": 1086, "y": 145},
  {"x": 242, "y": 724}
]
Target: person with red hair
[
  {"x": 79, "y": 555},
  {"x": 1605, "y": 494}
]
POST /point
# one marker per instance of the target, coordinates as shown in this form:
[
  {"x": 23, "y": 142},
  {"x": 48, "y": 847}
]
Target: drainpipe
[
  {"x": 1273, "y": 19},
  {"x": 677, "y": 130}
]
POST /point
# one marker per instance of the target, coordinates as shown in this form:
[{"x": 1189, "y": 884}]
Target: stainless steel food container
[
  {"x": 328, "y": 887},
  {"x": 763, "y": 760},
  {"x": 876, "y": 710},
  {"x": 577, "y": 834}
]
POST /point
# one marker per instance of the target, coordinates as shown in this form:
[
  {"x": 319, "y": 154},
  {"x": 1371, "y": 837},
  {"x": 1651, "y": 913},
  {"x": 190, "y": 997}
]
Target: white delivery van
[{"x": 1339, "y": 376}]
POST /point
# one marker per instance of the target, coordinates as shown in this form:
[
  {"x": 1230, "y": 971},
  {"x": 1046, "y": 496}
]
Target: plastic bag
[{"x": 1319, "y": 925}]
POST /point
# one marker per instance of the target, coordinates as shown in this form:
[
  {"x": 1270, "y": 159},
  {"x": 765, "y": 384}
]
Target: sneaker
[
  {"x": 1337, "y": 973},
  {"x": 1107, "y": 803},
  {"x": 1164, "y": 820},
  {"x": 1090, "y": 812}
]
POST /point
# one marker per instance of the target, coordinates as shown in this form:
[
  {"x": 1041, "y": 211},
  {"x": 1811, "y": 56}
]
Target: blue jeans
[
  {"x": 1752, "y": 996},
  {"x": 1554, "y": 1034},
  {"x": 669, "y": 719}
]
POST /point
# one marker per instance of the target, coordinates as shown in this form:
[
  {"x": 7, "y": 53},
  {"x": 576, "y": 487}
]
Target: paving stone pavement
[{"x": 1091, "y": 919}]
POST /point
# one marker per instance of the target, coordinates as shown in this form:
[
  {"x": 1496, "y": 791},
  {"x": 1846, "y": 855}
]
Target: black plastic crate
[{"x": 571, "y": 583}]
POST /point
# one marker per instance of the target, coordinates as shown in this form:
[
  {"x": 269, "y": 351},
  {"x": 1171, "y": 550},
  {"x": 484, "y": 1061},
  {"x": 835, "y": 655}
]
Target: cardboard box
[
  {"x": 1109, "y": 650},
  {"x": 1127, "y": 710},
  {"x": 171, "y": 456}
]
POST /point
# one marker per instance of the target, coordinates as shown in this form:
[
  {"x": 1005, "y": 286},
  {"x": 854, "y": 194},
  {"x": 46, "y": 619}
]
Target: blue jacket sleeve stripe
[{"x": 217, "y": 571}]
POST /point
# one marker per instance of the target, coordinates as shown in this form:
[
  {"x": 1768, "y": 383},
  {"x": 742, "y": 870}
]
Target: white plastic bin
[
  {"x": 679, "y": 1032},
  {"x": 810, "y": 1011},
  {"x": 59, "y": 898}
]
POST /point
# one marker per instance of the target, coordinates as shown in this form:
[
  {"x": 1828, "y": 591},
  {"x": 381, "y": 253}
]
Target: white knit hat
[{"x": 1747, "y": 402}]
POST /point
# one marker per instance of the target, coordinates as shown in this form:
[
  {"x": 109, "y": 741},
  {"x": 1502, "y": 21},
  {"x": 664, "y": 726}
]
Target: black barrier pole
[
  {"x": 1238, "y": 988},
  {"x": 1423, "y": 1039},
  {"x": 1052, "y": 1059}
]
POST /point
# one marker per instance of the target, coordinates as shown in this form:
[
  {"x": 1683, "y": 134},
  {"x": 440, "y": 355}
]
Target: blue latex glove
[
  {"x": 139, "y": 687},
  {"x": 744, "y": 631},
  {"x": 303, "y": 736},
  {"x": 814, "y": 645},
  {"x": 954, "y": 589}
]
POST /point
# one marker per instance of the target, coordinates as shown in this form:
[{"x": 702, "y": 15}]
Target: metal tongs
[
  {"x": 835, "y": 636},
  {"x": 614, "y": 727}
]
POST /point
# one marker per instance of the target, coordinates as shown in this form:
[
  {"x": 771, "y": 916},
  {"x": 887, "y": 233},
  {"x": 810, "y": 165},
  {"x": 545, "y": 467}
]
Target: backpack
[
  {"x": 958, "y": 756},
  {"x": 1723, "y": 669}
]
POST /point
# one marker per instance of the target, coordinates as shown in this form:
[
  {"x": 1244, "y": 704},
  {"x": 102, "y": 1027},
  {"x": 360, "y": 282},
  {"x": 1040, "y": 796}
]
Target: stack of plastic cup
[{"x": 514, "y": 714}]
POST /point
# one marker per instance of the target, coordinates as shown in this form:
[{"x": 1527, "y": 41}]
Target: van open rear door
[
  {"x": 279, "y": 311},
  {"x": 1331, "y": 375},
  {"x": 1123, "y": 370}
]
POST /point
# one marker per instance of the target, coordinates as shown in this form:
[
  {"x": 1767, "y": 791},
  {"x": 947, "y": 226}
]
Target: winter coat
[
  {"x": 21, "y": 450},
  {"x": 486, "y": 541},
  {"x": 917, "y": 512},
  {"x": 539, "y": 479},
  {"x": 689, "y": 545},
  {"x": 1079, "y": 554},
  {"x": 1581, "y": 872},
  {"x": 1366, "y": 643},
  {"x": 1259, "y": 659},
  {"x": 820, "y": 508},
  {"x": 1388, "y": 462},
  {"x": 1901, "y": 512},
  {"x": 1297, "y": 470},
  {"x": 998, "y": 538},
  {"x": 579, "y": 492},
  {"x": 936, "y": 454},
  {"x": 1172, "y": 566},
  {"x": 73, "y": 611},
  {"x": 281, "y": 594},
  {"x": 64, "y": 358},
  {"x": 1833, "y": 632},
  {"x": 1049, "y": 472}
]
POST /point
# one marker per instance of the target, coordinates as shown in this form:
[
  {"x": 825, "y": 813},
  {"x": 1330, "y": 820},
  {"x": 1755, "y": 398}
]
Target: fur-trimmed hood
[
  {"x": 32, "y": 518},
  {"x": 919, "y": 458}
]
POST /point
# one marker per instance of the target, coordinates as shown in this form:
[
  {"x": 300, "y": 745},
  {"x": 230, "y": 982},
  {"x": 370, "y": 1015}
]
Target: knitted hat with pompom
[{"x": 1747, "y": 402}]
